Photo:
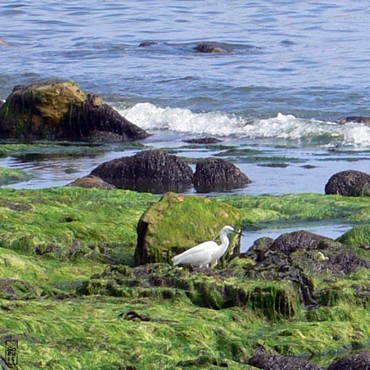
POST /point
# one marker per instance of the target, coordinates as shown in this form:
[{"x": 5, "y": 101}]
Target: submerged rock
[
  {"x": 349, "y": 183},
  {"x": 177, "y": 223},
  {"x": 203, "y": 140},
  {"x": 62, "y": 111},
  {"x": 152, "y": 171},
  {"x": 209, "y": 48},
  {"x": 355, "y": 119},
  {"x": 213, "y": 174}
]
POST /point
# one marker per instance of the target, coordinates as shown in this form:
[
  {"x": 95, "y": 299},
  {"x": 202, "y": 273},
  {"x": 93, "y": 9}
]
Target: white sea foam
[{"x": 288, "y": 127}]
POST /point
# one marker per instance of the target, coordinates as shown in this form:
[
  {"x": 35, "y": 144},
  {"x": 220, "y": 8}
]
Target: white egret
[{"x": 206, "y": 253}]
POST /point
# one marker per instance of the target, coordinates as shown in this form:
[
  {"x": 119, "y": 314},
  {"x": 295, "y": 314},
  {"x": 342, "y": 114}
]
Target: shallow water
[{"x": 287, "y": 73}]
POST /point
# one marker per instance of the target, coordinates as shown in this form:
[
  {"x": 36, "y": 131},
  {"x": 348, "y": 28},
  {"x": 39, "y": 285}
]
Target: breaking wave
[{"x": 284, "y": 126}]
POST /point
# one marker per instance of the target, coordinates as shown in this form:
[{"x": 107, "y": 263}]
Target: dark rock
[
  {"x": 91, "y": 181},
  {"x": 209, "y": 48},
  {"x": 259, "y": 248},
  {"x": 356, "y": 361},
  {"x": 345, "y": 263},
  {"x": 267, "y": 361},
  {"x": 355, "y": 119},
  {"x": 213, "y": 174},
  {"x": 203, "y": 140},
  {"x": 290, "y": 242},
  {"x": 349, "y": 183},
  {"x": 147, "y": 43},
  {"x": 149, "y": 171},
  {"x": 62, "y": 111}
]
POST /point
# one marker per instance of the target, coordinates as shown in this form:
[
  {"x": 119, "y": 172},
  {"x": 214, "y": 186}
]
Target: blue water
[
  {"x": 310, "y": 59},
  {"x": 289, "y": 70}
]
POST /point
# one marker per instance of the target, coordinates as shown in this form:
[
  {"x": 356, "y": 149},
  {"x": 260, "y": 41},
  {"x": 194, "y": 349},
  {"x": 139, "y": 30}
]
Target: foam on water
[{"x": 284, "y": 126}]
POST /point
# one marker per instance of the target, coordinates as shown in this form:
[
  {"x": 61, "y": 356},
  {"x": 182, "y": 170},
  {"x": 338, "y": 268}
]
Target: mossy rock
[
  {"x": 177, "y": 223},
  {"x": 358, "y": 236},
  {"x": 203, "y": 287},
  {"x": 62, "y": 111},
  {"x": 11, "y": 176}
]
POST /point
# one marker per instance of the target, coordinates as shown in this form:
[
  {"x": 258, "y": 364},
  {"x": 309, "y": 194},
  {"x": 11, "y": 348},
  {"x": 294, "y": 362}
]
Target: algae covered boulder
[
  {"x": 177, "y": 223},
  {"x": 349, "y": 183},
  {"x": 152, "y": 171},
  {"x": 62, "y": 111},
  {"x": 358, "y": 236}
]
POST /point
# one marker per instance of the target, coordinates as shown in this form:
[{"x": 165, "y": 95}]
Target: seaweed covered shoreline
[{"x": 72, "y": 296}]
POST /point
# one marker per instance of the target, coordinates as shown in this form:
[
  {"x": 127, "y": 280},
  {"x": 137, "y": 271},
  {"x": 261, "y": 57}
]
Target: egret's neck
[{"x": 224, "y": 241}]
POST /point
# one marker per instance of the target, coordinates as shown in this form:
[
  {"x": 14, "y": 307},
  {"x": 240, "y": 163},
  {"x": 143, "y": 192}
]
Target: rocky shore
[
  {"x": 82, "y": 299},
  {"x": 87, "y": 279}
]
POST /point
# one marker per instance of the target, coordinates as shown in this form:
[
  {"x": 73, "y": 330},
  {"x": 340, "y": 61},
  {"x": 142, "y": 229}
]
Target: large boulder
[
  {"x": 62, "y": 111},
  {"x": 152, "y": 171},
  {"x": 213, "y": 174},
  {"x": 349, "y": 183},
  {"x": 177, "y": 223}
]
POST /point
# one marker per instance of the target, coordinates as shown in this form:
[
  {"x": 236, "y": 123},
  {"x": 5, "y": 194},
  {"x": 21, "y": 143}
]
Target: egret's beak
[{"x": 238, "y": 232}]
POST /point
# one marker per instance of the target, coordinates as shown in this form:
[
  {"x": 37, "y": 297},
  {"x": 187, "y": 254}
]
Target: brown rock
[
  {"x": 349, "y": 183},
  {"x": 92, "y": 181}
]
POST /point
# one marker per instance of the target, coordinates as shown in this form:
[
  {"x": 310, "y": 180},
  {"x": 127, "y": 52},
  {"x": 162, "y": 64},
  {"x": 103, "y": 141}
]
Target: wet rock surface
[
  {"x": 150, "y": 171},
  {"x": 356, "y": 361},
  {"x": 267, "y": 361},
  {"x": 355, "y": 119},
  {"x": 209, "y": 48},
  {"x": 349, "y": 183},
  {"x": 203, "y": 140},
  {"x": 62, "y": 111},
  {"x": 213, "y": 174},
  {"x": 91, "y": 181}
]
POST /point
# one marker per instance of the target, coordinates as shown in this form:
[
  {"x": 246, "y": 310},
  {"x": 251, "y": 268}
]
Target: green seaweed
[
  {"x": 11, "y": 176},
  {"x": 56, "y": 244}
]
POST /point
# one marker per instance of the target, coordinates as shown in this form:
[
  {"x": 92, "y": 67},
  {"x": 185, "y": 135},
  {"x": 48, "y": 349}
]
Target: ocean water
[{"x": 287, "y": 72}]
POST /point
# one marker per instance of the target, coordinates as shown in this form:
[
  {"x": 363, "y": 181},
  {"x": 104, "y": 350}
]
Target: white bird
[{"x": 206, "y": 253}]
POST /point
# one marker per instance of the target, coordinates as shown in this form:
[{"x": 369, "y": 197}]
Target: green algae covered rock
[
  {"x": 11, "y": 176},
  {"x": 203, "y": 287},
  {"x": 358, "y": 236},
  {"x": 62, "y": 111},
  {"x": 177, "y": 223}
]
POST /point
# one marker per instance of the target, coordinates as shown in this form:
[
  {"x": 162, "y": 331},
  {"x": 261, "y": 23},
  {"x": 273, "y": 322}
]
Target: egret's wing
[{"x": 197, "y": 255}]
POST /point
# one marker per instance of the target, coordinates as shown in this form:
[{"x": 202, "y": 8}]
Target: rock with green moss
[
  {"x": 177, "y": 223},
  {"x": 358, "y": 236},
  {"x": 12, "y": 176},
  {"x": 62, "y": 111}
]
